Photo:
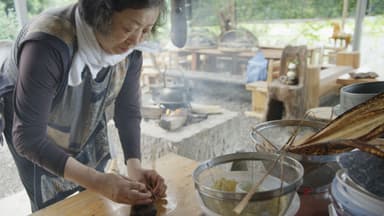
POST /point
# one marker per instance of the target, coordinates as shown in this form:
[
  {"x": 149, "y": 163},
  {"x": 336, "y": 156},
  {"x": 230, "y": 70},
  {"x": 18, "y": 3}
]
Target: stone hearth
[{"x": 217, "y": 135}]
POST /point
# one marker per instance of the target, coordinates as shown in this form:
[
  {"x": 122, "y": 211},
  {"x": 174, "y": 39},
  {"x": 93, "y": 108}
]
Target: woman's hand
[
  {"x": 153, "y": 181},
  {"x": 115, "y": 187},
  {"x": 123, "y": 190}
]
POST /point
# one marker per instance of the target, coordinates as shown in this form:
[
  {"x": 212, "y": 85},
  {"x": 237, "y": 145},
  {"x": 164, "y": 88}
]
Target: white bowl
[{"x": 349, "y": 198}]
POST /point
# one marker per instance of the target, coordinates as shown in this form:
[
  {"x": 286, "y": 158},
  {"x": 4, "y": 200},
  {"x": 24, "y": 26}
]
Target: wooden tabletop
[
  {"x": 181, "y": 194},
  {"x": 346, "y": 79}
]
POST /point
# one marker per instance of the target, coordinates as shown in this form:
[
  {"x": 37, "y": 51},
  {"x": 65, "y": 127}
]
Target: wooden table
[
  {"x": 175, "y": 169},
  {"x": 235, "y": 57}
]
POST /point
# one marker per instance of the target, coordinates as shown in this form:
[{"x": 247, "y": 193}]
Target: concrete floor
[
  {"x": 9, "y": 178},
  {"x": 13, "y": 198},
  {"x": 16, "y": 204}
]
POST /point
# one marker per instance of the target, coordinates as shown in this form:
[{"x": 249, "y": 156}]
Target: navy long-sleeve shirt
[{"x": 36, "y": 88}]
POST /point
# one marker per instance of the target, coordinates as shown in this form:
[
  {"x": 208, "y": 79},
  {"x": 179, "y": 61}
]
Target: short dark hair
[{"x": 98, "y": 13}]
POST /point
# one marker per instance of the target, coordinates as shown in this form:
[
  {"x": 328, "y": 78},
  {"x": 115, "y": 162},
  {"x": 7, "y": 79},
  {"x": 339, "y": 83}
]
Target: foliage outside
[
  {"x": 251, "y": 10},
  {"x": 8, "y": 23},
  {"x": 275, "y": 23},
  {"x": 8, "y": 19}
]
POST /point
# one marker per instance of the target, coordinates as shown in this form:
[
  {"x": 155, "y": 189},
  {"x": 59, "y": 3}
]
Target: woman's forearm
[
  {"x": 83, "y": 175},
  {"x": 133, "y": 168},
  {"x": 115, "y": 187}
]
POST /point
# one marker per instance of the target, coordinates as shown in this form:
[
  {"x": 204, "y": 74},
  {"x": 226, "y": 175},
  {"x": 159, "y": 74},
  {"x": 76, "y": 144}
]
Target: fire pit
[
  {"x": 175, "y": 107},
  {"x": 173, "y": 99},
  {"x": 216, "y": 135}
]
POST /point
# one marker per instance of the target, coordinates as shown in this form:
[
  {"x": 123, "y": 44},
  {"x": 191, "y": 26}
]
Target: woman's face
[{"x": 129, "y": 28}]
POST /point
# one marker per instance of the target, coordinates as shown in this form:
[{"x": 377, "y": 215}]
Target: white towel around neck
[{"x": 89, "y": 53}]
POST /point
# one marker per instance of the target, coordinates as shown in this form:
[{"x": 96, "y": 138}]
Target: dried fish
[
  {"x": 339, "y": 146},
  {"x": 353, "y": 129}
]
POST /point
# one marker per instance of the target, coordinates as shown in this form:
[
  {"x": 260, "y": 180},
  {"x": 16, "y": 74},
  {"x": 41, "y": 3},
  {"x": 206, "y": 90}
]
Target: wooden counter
[{"x": 177, "y": 172}]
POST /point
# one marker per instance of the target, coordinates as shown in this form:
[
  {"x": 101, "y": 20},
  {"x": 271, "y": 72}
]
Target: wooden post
[
  {"x": 195, "y": 61},
  {"x": 360, "y": 14},
  {"x": 348, "y": 59},
  {"x": 292, "y": 97},
  {"x": 233, "y": 12},
  {"x": 312, "y": 86},
  {"x": 345, "y": 15},
  {"x": 21, "y": 11}
]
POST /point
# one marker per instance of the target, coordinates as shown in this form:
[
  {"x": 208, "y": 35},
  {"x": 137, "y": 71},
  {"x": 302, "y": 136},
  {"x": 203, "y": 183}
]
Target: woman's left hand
[{"x": 154, "y": 182}]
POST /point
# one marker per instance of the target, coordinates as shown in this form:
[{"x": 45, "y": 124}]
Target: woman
[{"x": 66, "y": 67}]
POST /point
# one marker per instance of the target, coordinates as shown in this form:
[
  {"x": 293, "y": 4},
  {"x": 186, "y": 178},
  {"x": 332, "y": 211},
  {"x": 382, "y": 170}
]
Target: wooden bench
[{"x": 320, "y": 83}]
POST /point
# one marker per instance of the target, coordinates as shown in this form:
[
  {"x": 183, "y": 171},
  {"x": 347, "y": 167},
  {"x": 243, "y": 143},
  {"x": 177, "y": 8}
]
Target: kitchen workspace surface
[{"x": 181, "y": 195}]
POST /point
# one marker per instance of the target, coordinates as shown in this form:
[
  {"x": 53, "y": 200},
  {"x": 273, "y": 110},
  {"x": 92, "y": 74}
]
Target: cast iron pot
[{"x": 355, "y": 94}]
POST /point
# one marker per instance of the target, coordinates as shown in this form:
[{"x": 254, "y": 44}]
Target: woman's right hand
[
  {"x": 122, "y": 189},
  {"x": 115, "y": 187}
]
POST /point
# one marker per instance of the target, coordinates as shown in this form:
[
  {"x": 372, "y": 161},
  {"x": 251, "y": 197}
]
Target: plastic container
[
  {"x": 355, "y": 94},
  {"x": 349, "y": 199}
]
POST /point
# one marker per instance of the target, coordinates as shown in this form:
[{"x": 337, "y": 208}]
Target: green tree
[
  {"x": 206, "y": 12},
  {"x": 8, "y": 22},
  {"x": 8, "y": 19},
  {"x": 36, "y": 6},
  {"x": 376, "y": 7},
  {"x": 6, "y": 5}
]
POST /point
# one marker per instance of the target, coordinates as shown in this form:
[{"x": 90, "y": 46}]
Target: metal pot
[{"x": 175, "y": 95}]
